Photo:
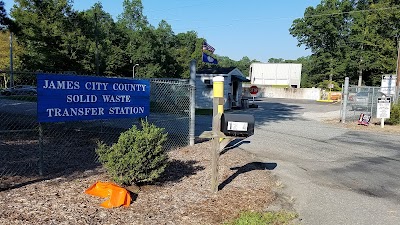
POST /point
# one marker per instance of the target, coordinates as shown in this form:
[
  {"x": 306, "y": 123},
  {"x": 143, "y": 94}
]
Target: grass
[
  {"x": 257, "y": 218},
  {"x": 26, "y": 98}
]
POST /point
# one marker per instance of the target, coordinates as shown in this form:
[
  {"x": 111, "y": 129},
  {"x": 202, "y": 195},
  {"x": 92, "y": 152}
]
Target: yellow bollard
[{"x": 218, "y": 92}]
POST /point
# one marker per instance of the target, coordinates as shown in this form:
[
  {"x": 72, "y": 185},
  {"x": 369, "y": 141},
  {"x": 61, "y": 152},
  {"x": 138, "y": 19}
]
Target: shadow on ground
[
  {"x": 371, "y": 163},
  {"x": 176, "y": 170},
  {"x": 233, "y": 144},
  {"x": 247, "y": 168}
]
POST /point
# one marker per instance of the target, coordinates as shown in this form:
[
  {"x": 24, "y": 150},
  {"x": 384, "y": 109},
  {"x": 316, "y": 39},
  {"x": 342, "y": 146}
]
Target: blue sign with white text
[{"x": 73, "y": 98}]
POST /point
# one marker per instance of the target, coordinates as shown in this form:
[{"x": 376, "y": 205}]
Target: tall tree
[
  {"x": 4, "y": 20},
  {"x": 5, "y": 52},
  {"x": 244, "y": 65},
  {"x": 42, "y": 27},
  {"x": 132, "y": 16},
  {"x": 324, "y": 30},
  {"x": 97, "y": 43},
  {"x": 275, "y": 60},
  {"x": 185, "y": 51},
  {"x": 384, "y": 31},
  {"x": 355, "y": 38}
]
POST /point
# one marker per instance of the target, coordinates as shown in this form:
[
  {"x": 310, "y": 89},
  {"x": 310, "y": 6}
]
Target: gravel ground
[{"x": 183, "y": 197}]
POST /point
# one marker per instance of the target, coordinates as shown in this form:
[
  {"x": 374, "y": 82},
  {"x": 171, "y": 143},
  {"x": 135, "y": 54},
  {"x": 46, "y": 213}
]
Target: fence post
[
  {"x": 40, "y": 149},
  {"x": 345, "y": 97},
  {"x": 192, "y": 83},
  {"x": 372, "y": 103}
]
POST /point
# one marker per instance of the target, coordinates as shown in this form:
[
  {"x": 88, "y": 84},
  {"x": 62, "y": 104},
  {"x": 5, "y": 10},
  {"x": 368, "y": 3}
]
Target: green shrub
[
  {"x": 394, "y": 114},
  {"x": 137, "y": 157}
]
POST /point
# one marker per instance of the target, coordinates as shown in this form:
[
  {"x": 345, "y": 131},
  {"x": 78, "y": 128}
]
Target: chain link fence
[
  {"x": 30, "y": 151},
  {"x": 363, "y": 100}
]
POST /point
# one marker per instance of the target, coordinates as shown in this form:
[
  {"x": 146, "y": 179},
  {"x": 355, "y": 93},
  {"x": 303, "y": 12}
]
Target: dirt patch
[
  {"x": 374, "y": 126},
  {"x": 183, "y": 197}
]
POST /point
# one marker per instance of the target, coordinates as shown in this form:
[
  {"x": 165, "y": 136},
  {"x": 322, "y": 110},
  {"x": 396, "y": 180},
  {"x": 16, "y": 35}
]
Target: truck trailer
[{"x": 275, "y": 74}]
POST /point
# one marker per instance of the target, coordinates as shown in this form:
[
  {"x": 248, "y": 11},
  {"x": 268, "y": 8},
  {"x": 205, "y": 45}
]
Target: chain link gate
[
  {"x": 30, "y": 151},
  {"x": 363, "y": 100}
]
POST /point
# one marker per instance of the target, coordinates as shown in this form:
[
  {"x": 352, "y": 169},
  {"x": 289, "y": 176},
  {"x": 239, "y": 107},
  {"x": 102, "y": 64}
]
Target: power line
[
  {"x": 184, "y": 6},
  {"x": 354, "y": 11},
  {"x": 259, "y": 20}
]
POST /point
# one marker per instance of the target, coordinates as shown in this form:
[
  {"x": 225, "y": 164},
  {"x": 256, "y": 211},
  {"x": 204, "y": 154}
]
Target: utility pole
[
  {"x": 97, "y": 44},
  {"x": 360, "y": 71},
  {"x": 11, "y": 62},
  {"x": 396, "y": 97}
]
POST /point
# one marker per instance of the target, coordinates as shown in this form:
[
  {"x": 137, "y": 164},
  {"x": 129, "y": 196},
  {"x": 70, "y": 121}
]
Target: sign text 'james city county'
[{"x": 73, "y": 98}]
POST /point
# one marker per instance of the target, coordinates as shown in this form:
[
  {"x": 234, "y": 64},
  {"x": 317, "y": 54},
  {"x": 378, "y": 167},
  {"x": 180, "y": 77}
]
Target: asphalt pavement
[{"x": 335, "y": 175}]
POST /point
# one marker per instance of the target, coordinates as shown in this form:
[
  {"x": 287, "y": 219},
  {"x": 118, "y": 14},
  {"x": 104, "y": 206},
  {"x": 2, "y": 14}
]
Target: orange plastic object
[{"x": 117, "y": 196}]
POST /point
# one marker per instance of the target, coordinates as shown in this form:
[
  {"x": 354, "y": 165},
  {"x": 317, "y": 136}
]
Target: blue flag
[{"x": 209, "y": 59}]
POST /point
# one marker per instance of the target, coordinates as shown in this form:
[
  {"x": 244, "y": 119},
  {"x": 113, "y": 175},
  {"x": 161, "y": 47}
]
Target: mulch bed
[{"x": 182, "y": 197}]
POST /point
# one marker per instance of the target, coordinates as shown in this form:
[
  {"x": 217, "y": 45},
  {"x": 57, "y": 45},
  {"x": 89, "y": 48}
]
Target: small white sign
[
  {"x": 237, "y": 126},
  {"x": 388, "y": 84},
  {"x": 383, "y": 108}
]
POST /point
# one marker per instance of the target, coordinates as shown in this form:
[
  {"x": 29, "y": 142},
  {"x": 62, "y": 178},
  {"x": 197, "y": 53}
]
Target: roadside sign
[
  {"x": 383, "y": 108},
  {"x": 253, "y": 90},
  {"x": 364, "y": 119},
  {"x": 331, "y": 86},
  {"x": 62, "y": 98},
  {"x": 388, "y": 84}
]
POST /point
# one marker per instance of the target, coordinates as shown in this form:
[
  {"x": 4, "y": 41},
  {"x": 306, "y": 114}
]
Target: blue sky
[{"x": 258, "y": 29}]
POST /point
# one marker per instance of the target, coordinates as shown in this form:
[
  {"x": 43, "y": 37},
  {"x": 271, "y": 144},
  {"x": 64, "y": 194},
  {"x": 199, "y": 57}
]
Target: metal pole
[
  {"x": 345, "y": 97},
  {"x": 341, "y": 103},
  {"x": 133, "y": 70},
  {"x": 192, "y": 82},
  {"x": 372, "y": 102},
  {"x": 382, "y": 119},
  {"x": 11, "y": 62}
]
